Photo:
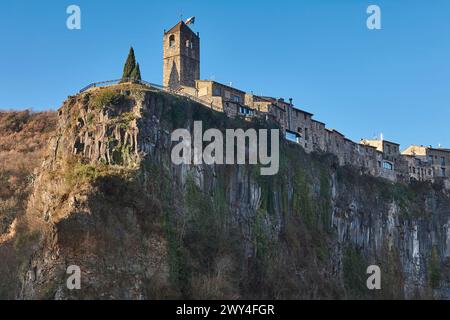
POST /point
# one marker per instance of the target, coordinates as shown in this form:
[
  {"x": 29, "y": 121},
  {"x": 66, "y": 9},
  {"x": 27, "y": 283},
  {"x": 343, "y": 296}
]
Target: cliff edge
[{"x": 109, "y": 200}]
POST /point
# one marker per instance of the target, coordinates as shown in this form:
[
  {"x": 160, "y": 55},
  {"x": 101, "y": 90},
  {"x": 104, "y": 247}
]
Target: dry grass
[{"x": 23, "y": 138}]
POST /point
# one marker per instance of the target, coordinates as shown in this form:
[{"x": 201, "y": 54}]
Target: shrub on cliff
[{"x": 106, "y": 97}]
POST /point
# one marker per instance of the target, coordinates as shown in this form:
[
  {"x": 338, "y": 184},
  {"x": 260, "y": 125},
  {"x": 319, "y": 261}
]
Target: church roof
[{"x": 179, "y": 27}]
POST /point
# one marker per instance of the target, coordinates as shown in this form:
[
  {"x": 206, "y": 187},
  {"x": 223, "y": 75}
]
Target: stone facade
[
  {"x": 223, "y": 98},
  {"x": 430, "y": 163},
  {"x": 377, "y": 157},
  {"x": 181, "y": 48}
]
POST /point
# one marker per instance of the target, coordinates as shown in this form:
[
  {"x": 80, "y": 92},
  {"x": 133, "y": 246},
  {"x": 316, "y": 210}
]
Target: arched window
[
  {"x": 171, "y": 41},
  {"x": 189, "y": 44}
]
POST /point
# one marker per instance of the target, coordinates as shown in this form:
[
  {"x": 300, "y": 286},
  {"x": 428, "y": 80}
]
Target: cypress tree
[
  {"x": 136, "y": 73},
  {"x": 129, "y": 67}
]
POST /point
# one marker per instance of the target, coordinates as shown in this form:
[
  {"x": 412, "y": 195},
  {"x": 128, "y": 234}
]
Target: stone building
[
  {"x": 419, "y": 169},
  {"x": 269, "y": 108},
  {"x": 372, "y": 160},
  {"x": 393, "y": 165},
  {"x": 436, "y": 161},
  {"x": 300, "y": 121},
  {"x": 334, "y": 143},
  {"x": 181, "y": 47},
  {"x": 223, "y": 98},
  {"x": 377, "y": 157},
  {"x": 318, "y": 135},
  {"x": 390, "y": 150},
  {"x": 297, "y": 124}
]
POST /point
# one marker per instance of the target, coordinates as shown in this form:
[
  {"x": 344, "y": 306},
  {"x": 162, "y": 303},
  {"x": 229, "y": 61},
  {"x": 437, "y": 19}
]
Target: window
[
  {"x": 306, "y": 134},
  {"x": 189, "y": 44},
  {"x": 442, "y": 161},
  {"x": 430, "y": 158},
  {"x": 236, "y": 98},
  {"x": 171, "y": 41},
  {"x": 217, "y": 91},
  {"x": 443, "y": 172},
  {"x": 246, "y": 111},
  {"x": 292, "y": 136},
  {"x": 388, "y": 165},
  {"x": 379, "y": 164}
]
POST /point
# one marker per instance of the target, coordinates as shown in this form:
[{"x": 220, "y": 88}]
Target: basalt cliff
[{"x": 108, "y": 199}]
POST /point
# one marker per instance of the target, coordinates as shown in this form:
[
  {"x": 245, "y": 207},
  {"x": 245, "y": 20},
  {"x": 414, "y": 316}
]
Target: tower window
[
  {"x": 189, "y": 44},
  {"x": 171, "y": 41}
]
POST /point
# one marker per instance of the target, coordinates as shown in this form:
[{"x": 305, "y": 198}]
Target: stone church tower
[{"x": 181, "y": 57}]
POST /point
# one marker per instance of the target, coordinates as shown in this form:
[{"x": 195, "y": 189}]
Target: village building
[
  {"x": 318, "y": 135},
  {"x": 377, "y": 157},
  {"x": 223, "y": 98},
  {"x": 300, "y": 122},
  {"x": 436, "y": 161},
  {"x": 390, "y": 151}
]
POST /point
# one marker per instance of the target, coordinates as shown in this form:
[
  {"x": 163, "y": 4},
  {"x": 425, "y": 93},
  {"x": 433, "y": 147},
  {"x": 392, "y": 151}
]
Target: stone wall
[{"x": 181, "y": 63}]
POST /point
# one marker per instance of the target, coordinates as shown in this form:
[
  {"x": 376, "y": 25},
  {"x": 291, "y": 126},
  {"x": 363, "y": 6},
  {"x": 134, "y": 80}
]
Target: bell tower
[{"x": 181, "y": 61}]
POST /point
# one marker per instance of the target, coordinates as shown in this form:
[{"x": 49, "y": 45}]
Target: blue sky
[{"x": 394, "y": 81}]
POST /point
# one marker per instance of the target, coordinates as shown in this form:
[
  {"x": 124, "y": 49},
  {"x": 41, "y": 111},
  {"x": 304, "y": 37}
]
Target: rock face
[{"x": 109, "y": 200}]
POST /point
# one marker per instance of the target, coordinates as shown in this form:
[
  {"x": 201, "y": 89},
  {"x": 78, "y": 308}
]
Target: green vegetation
[
  {"x": 354, "y": 271},
  {"x": 106, "y": 97},
  {"x": 124, "y": 120},
  {"x": 434, "y": 269},
  {"x": 78, "y": 173},
  {"x": 302, "y": 200},
  {"x": 136, "y": 73},
  {"x": 131, "y": 69},
  {"x": 90, "y": 119},
  {"x": 121, "y": 154},
  {"x": 129, "y": 66}
]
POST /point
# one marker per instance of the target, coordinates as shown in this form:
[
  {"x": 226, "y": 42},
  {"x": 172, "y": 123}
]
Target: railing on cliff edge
[
  {"x": 118, "y": 81},
  {"x": 147, "y": 84}
]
